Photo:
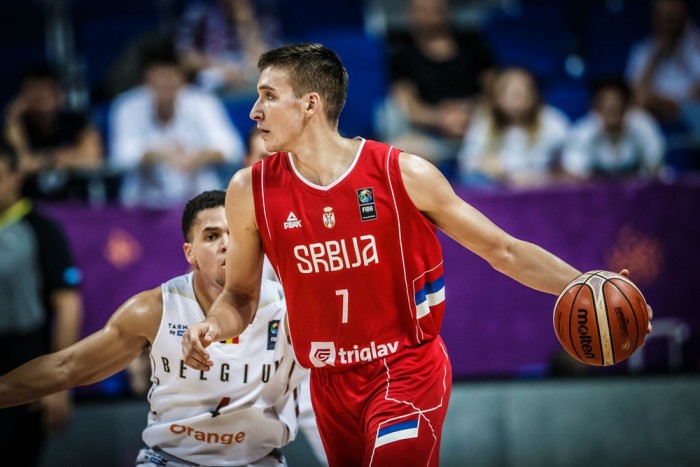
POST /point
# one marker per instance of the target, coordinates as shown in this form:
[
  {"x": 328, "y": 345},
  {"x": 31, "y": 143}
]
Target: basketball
[{"x": 600, "y": 318}]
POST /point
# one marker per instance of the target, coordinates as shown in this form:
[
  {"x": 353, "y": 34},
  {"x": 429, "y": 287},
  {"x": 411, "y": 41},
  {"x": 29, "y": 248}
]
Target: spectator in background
[
  {"x": 435, "y": 73},
  {"x": 615, "y": 139},
  {"x": 220, "y": 42},
  {"x": 170, "y": 138},
  {"x": 664, "y": 70},
  {"x": 51, "y": 141},
  {"x": 515, "y": 141},
  {"x": 41, "y": 308}
]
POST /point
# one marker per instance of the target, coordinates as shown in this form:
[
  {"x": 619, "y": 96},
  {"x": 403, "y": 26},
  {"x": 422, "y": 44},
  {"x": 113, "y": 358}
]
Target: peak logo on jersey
[
  {"x": 292, "y": 222},
  {"x": 328, "y": 217},
  {"x": 365, "y": 198},
  {"x": 322, "y": 354},
  {"x": 273, "y": 329}
]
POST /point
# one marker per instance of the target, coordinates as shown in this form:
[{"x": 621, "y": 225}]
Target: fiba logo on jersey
[
  {"x": 368, "y": 209},
  {"x": 322, "y": 354},
  {"x": 365, "y": 195}
]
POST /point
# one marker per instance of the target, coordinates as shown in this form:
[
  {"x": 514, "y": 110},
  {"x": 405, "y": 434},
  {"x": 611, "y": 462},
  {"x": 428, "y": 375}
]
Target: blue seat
[
  {"x": 570, "y": 96},
  {"x": 533, "y": 37},
  {"x": 102, "y": 39},
  {"x": 610, "y": 34},
  {"x": 364, "y": 58},
  {"x": 298, "y": 17}
]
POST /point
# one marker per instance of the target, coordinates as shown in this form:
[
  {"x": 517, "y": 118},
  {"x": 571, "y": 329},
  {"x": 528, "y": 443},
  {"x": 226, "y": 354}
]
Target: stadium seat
[
  {"x": 298, "y": 17},
  {"x": 609, "y": 35},
  {"x": 570, "y": 96},
  {"x": 533, "y": 37},
  {"x": 364, "y": 57}
]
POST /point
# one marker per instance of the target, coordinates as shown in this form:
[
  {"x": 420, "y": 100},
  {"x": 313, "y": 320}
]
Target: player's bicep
[
  {"x": 116, "y": 345},
  {"x": 244, "y": 256}
]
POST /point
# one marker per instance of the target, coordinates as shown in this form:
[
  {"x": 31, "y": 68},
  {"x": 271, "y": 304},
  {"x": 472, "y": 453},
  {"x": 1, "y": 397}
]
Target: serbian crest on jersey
[{"x": 328, "y": 217}]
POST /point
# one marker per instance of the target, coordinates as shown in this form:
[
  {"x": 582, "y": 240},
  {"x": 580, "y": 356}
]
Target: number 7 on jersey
[{"x": 344, "y": 294}]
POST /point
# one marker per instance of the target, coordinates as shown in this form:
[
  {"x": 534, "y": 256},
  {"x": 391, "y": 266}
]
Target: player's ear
[
  {"x": 312, "y": 101},
  {"x": 189, "y": 252}
]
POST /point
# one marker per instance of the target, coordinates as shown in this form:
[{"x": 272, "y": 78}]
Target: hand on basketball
[
  {"x": 626, "y": 273},
  {"x": 194, "y": 343}
]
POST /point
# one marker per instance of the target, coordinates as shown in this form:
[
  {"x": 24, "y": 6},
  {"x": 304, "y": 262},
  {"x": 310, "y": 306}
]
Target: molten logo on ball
[{"x": 584, "y": 337}]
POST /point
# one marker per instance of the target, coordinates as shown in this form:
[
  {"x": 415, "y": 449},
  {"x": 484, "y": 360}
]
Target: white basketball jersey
[{"x": 240, "y": 409}]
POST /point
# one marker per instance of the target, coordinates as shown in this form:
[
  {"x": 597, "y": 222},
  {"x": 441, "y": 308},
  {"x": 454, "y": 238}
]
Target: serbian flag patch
[
  {"x": 397, "y": 431},
  {"x": 429, "y": 291}
]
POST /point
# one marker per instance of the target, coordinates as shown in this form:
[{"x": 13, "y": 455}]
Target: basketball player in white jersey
[{"x": 236, "y": 415}]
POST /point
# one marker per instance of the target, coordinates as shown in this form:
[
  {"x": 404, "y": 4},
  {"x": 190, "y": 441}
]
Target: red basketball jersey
[{"x": 361, "y": 267}]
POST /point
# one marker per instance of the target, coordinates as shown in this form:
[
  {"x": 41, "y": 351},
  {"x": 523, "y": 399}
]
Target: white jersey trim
[{"x": 336, "y": 181}]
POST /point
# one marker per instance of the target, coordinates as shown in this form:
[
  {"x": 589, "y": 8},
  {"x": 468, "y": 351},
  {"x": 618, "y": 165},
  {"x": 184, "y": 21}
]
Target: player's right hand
[{"x": 194, "y": 343}]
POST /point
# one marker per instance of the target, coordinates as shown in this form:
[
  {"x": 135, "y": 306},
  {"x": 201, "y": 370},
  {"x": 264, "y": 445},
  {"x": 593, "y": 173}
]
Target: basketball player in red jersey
[{"x": 349, "y": 226}]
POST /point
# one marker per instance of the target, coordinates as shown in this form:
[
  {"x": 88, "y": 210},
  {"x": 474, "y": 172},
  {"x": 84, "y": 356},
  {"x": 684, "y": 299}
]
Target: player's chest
[{"x": 350, "y": 212}]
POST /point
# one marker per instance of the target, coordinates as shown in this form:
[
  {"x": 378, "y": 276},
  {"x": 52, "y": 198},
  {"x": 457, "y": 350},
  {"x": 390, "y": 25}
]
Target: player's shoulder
[
  {"x": 141, "y": 314},
  {"x": 415, "y": 167},
  {"x": 271, "y": 167},
  {"x": 241, "y": 180},
  {"x": 145, "y": 304}
]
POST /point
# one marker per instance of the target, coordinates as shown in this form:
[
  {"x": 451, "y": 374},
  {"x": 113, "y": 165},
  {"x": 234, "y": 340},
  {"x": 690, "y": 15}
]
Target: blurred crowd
[
  {"x": 169, "y": 117},
  {"x": 515, "y": 94}
]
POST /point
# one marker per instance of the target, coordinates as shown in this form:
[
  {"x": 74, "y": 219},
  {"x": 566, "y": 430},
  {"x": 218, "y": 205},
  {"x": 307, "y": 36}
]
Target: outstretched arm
[
  {"x": 89, "y": 360},
  {"x": 525, "y": 262},
  {"x": 235, "y": 307}
]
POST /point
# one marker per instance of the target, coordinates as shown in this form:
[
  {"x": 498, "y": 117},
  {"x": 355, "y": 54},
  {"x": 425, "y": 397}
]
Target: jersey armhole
[{"x": 394, "y": 168}]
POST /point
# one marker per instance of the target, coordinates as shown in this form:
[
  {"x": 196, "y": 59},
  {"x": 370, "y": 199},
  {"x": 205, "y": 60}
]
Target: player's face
[
  {"x": 278, "y": 113},
  {"x": 207, "y": 250}
]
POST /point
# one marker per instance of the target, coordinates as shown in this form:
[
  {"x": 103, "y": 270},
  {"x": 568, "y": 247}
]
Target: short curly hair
[{"x": 205, "y": 200}]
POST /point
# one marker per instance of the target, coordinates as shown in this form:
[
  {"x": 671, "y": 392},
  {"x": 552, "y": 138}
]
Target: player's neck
[
  {"x": 205, "y": 293},
  {"x": 323, "y": 160}
]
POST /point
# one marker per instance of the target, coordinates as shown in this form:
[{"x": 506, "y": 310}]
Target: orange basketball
[{"x": 600, "y": 318}]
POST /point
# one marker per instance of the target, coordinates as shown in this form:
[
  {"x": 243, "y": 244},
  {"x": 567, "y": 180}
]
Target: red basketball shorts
[{"x": 387, "y": 412}]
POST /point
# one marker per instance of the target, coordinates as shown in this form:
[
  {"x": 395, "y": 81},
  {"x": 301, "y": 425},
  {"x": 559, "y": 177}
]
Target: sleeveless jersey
[
  {"x": 239, "y": 410},
  {"x": 361, "y": 267}
]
